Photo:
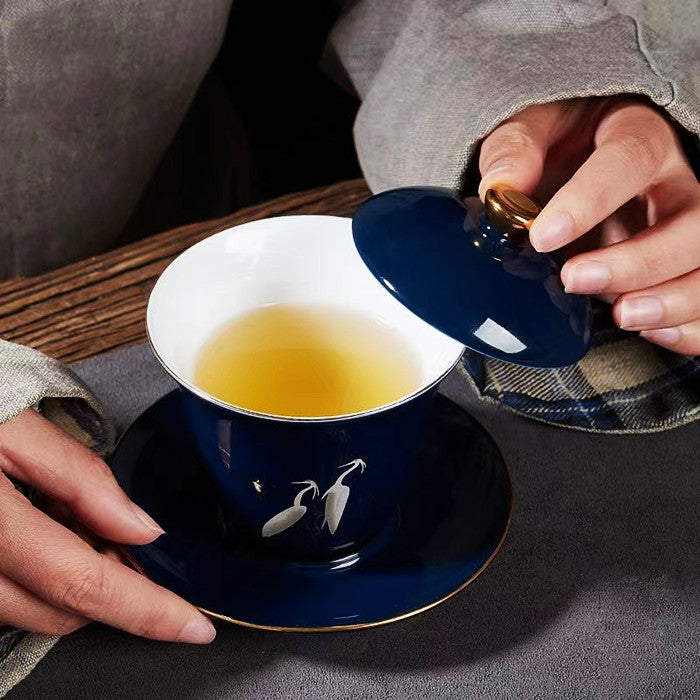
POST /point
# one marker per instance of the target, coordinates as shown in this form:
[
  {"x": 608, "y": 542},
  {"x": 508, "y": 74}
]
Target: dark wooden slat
[{"x": 98, "y": 304}]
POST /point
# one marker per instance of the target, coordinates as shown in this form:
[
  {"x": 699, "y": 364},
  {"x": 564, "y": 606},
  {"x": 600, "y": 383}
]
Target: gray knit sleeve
[
  {"x": 29, "y": 378},
  {"x": 436, "y": 76}
]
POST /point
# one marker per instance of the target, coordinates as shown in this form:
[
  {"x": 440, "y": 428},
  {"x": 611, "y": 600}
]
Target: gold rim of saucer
[{"x": 363, "y": 625}]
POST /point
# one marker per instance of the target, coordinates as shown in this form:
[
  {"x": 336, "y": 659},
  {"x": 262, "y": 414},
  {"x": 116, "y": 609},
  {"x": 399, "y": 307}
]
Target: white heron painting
[
  {"x": 338, "y": 494},
  {"x": 286, "y": 518}
]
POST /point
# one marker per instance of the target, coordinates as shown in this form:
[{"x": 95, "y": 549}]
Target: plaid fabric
[{"x": 623, "y": 385}]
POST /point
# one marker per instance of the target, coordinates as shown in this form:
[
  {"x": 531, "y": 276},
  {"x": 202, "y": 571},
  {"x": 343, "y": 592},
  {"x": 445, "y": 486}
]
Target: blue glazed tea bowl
[{"x": 309, "y": 488}]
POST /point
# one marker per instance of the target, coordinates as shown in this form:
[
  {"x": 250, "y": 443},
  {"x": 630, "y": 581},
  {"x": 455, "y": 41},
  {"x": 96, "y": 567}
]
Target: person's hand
[
  {"x": 614, "y": 168},
  {"x": 51, "y": 579}
]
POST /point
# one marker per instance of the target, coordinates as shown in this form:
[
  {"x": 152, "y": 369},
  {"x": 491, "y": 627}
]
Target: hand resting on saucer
[{"x": 51, "y": 579}]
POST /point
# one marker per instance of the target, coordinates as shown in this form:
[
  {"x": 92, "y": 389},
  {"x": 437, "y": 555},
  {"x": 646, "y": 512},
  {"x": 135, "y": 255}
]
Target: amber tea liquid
[{"x": 306, "y": 361}]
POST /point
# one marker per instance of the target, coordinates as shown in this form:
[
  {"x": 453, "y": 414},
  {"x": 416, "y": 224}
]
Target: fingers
[
  {"x": 634, "y": 146},
  {"x": 683, "y": 339},
  {"x": 665, "y": 305},
  {"x": 514, "y": 153},
  {"x": 667, "y": 314},
  {"x": 58, "y": 567},
  {"x": 20, "y": 608},
  {"x": 35, "y": 451},
  {"x": 656, "y": 278},
  {"x": 661, "y": 252},
  {"x": 653, "y": 275}
]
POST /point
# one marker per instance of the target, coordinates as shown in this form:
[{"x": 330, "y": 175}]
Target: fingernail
[
  {"x": 146, "y": 519},
  {"x": 552, "y": 232},
  {"x": 493, "y": 176},
  {"x": 662, "y": 336},
  {"x": 641, "y": 311},
  {"x": 197, "y": 632},
  {"x": 587, "y": 278}
]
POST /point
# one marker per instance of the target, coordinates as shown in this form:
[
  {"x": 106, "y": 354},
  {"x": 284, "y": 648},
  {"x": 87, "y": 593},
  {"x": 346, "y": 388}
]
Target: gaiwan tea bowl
[{"x": 305, "y": 488}]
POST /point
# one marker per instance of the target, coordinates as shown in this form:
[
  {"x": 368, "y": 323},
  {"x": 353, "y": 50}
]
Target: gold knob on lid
[{"x": 511, "y": 211}]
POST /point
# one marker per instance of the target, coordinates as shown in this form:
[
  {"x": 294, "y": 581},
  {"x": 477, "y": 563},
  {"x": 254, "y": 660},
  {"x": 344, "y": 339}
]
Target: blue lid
[{"x": 470, "y": 272}]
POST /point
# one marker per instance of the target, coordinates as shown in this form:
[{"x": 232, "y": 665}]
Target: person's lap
[{"x": 92, "y": 93}]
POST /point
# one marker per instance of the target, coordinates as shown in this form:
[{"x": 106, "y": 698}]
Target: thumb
[{"x": 513, "y": 154}]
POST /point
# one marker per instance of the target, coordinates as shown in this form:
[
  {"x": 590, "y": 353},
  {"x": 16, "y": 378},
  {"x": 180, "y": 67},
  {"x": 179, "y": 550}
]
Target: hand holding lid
[{"x": 469, "y": 271}]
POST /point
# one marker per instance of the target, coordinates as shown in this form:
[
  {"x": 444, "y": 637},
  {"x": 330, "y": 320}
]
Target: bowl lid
[{"x": 470, "y": 271}]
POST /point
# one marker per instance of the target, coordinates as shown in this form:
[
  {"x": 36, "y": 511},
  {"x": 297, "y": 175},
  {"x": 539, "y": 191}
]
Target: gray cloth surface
[{"x": 594, "y": 594}]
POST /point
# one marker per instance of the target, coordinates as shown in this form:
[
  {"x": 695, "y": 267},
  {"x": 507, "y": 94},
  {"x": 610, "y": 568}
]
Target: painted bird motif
[
  {"x": 338, "y": 494},
  {"x": 287, "y": 517}
]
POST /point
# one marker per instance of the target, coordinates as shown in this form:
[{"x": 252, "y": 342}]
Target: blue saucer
[{"x": 447, "y": 531}]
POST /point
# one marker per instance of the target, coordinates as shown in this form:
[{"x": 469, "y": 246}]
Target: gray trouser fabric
[{"x": 91, "y": 94}]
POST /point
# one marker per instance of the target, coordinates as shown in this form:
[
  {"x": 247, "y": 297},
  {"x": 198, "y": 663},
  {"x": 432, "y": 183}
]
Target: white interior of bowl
[{"x": 300, "y": 260}]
